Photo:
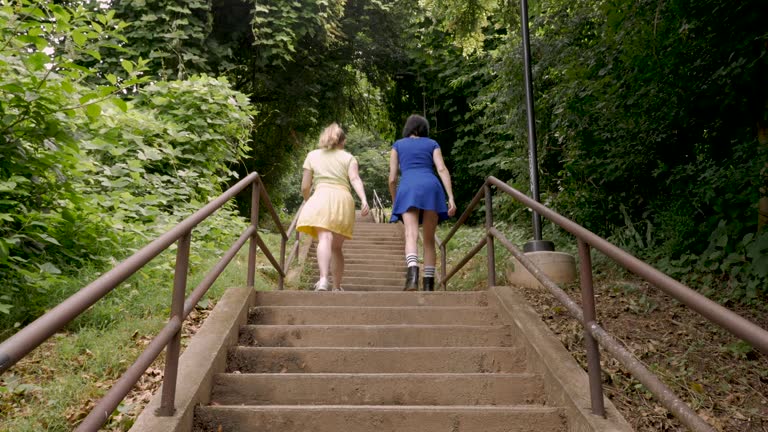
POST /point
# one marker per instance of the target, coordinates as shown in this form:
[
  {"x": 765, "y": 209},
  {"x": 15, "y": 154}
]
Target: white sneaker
[
  {"x": 321, "y": 286},
  {"x": 339, "y": 289}
]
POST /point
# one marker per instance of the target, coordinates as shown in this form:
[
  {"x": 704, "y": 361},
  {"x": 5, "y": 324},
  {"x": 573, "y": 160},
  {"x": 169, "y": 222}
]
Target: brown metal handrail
[
  {"x": 292, "y": 231},
  {"x": 30, "y": 337},
  {"x": 380, "y": 215},
  {"x": 595, "y": 335}
]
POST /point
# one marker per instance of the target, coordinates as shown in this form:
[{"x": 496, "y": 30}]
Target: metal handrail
[
  {"x": 33, "y": 335},
  {"x": 594, "y": 335},
  {"x": 292, "y": 231},
  {"x": 380, "y": 215}
]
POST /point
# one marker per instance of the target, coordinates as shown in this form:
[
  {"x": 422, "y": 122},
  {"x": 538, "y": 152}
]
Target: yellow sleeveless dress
[{"x": 331, "y": 205}]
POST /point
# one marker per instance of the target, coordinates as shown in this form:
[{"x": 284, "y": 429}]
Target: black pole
[{"x": 537, "y": 244}]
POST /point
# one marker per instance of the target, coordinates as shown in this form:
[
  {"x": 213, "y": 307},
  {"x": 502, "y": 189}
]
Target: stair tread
[
  {"x": 437, "y": 408},
  {"x": 383, "y": 349},
  {"x": 486, "y": 327},
  {"x": 381, "y": 418},
  {"x": 380, "y": 389},
  {"x": 383, "y": 375},
  {"x": 378, "y": 308}
]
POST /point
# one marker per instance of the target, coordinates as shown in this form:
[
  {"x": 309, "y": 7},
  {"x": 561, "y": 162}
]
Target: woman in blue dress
[{"x": 420, "y": 198}]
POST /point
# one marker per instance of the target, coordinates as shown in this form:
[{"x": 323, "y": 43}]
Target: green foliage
[
  {"x": 307, "y": 64},
  {"x": 173, "y": 35},
  {"x": 86, "y": 175},
  {"x": 280, "y": 26},
  {"x": 731, "y": 268},
  {"x": 373, "y": 158},
  {"x": 645, "y": 111},
  {"x": 303, "y": 64},
  {"x": 45, "y": 112}
]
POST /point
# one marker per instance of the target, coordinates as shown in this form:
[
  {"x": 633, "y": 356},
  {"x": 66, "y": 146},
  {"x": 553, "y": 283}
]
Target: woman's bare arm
[
  {"x": 445, "y": 177},
  {"x": 393, "y": 165},
  {"x": 306, "y": 184},
  {"x": 357, "y": 184}
]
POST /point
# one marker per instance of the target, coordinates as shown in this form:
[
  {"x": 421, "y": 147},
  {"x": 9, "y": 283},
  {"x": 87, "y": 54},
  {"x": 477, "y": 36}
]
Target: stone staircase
[
  {"x": 377, "y": 361},
  {"x": 385, "y": 360},
  {"x": 374, "y": 259}
]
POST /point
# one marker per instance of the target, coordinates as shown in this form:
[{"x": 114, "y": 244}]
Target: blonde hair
[{"x": 332, "y": 137}]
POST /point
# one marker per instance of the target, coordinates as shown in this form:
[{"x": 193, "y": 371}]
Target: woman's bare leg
[
  {"x": 429, "y": 223},
  {"x": 411, "y": 222},
  {"x": 324, "y": 242},
  {"x": 337, "y": 263}
]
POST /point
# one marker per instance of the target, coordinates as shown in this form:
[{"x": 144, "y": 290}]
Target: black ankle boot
[
  {"x": 428, "y": 283},
  {"x": 412, "y": 279}
]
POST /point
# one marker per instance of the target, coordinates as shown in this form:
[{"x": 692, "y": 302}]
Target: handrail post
[
  {"x": 593, "y": 351},
  {"x": 252, "y": 247},
  {"x": 173, "y": 348},
  {"x": 488, "y": 226},
  {"x": 443, "y": 265},
  {"x": 280, "y": 277}
]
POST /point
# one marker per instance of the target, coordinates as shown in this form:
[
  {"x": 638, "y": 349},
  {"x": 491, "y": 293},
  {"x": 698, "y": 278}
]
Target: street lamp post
[{"x": 537, "y": 244}]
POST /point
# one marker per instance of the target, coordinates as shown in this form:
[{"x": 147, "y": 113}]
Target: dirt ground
[{"x": 723, "y": 379}]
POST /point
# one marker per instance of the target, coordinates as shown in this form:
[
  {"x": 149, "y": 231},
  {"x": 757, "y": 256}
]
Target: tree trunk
[{"x": 762, "y": 205}]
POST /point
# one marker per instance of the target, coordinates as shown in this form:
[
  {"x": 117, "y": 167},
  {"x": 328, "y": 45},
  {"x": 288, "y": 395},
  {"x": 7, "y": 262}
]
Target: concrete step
[
  {"x": 376, "y": 360},
  {"x": 525, "y": 418},
  {"x": 310, "y": 286},
  {"x": 352, "y": 263},
  {"x": 375, "y": 241},
  {"x": 358, "y": 239},
  {"x": 389, "y": 267},
  {"x": 358, "y": 299},
  {"x": 378, "y": 232},
  {"x": 377, "y": 389},
  {"x": 396, "y": 268},
  {"x": 350, "y": 280},
  {"x": 385, "y": 336},
  {"x": 364, "y": 246},
  {"x": 385, "y": 257},
  {"x": 354, "y": 278},
  {"x": 355, "y": 315},
  {"x": 377, "y": 236},
  {"x": 378, "y": 227},
  {"x": 368, "y": 250},
  {"x": 358, "y": 271}
]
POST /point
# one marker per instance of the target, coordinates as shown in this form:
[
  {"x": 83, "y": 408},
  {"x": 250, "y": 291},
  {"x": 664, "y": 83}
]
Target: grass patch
[
  {"x": 56, "y": 385},
  {"x": 474, "y": 275}
]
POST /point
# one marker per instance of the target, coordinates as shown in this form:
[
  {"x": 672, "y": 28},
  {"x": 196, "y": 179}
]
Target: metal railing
[
  {"x": 379, "y": 213},
  {"x": 22, "y": 343},
  {"x": 594, "y": 335}
]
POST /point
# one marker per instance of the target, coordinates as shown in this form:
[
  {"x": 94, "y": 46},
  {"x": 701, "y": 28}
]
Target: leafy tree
[
  {"x": 173, "y": 35},
  {"x": 44, "y": 111},
  {"x": 644, "y": 111},
  {"x": 84, "y": 173},
  {"x": 298, "y": 61}
]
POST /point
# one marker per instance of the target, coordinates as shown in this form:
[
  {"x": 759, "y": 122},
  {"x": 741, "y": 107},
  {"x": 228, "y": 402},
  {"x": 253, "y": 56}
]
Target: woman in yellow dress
[{"x": 328, "y": 214}]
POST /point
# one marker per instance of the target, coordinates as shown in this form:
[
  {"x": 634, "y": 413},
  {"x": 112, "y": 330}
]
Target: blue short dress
[{"x": 419, "y": 186}]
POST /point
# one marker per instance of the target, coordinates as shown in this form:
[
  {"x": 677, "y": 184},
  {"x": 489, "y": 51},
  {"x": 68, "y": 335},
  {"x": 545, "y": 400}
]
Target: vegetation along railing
[
  {"x": 30, "y": 337},
  {"x": 594, "y": 334}
]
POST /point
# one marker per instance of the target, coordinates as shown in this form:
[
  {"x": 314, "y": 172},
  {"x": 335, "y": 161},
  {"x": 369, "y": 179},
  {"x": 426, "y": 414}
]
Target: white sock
[
  {"x": 429, "y": 271},
  {"x": 411, "y": 260}
]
